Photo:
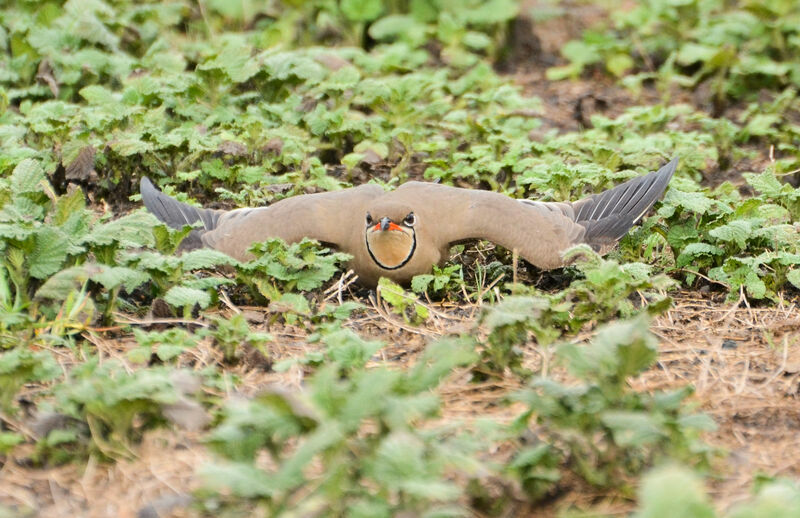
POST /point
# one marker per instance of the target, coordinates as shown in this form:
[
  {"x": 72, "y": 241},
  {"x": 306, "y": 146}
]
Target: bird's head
[{"x": 390, "y": 235}]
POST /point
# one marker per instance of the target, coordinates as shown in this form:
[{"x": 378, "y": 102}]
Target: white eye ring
[{"x": 410, "y": 220}]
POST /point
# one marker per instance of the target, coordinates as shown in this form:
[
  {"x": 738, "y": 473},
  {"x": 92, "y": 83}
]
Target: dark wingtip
[
  {"x": 669, "y": 169},
  {"x": 147, "y": 189},
  {"x": 174, "y": 213},
  {"x": 611, "y": 214}
]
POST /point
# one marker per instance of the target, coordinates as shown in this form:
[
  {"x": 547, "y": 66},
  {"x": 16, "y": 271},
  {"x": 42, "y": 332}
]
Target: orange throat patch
[{"x": 391, "y": 249}]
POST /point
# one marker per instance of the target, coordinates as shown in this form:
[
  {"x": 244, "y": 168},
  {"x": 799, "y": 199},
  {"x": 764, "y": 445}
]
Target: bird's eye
[
  {"x": 369, "y": 219},
  {"x": 410, "y": 220}
]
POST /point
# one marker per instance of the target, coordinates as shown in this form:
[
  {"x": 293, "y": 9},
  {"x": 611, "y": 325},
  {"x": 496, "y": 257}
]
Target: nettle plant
[
  {"x": 600, "y": 428},
  {"x": 44, "y": 234},
  {"x": 673, "y": 490},
  {"x": 462, "y": 28},
  {"x": 382, "y": 417},
  {"x": 738, "y": 47},
  {"x": 99, "y": 86},
  {"x": 602, "y": 290},
  {"x": 750, "y": 244}
]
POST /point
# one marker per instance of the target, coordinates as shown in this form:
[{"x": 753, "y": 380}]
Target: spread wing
[
  {"x": 328, "y": 217},
  {"x": 542, "y": 231}
]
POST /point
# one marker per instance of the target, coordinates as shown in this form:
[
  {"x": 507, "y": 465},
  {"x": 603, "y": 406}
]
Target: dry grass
[{"x": 743, "y": 361}]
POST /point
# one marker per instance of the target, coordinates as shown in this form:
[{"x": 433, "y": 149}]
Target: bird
[{"x": 405, "y": 232}]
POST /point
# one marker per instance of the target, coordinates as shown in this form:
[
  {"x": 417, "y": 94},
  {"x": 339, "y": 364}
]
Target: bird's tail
[
  {"x": 609, "y": 215},
  {"x": 176, "y": 214}
]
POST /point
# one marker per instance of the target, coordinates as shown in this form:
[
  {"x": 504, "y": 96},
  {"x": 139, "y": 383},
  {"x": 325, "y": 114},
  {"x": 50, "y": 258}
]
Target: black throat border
[{"x": 405, "y": 261}]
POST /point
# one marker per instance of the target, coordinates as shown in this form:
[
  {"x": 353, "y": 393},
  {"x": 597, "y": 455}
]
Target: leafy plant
[
  {"x": 402, "y": 302},
  {"x": 375, "y": 412},
  {"x": 737, "y": 47},
  {"x": 20, "y": 366},
  {"x": 280, "y": 268},
  {"x": 344, "y": 348},
  {"x": 442, "y": 280},
  {"x": 165, "y": 345},
  {"x": 119, "y": 405},
  {"x": 741, "y": 244},
  {"x": 604, "y": 430},
  {"x": 233, "y": 335},
  {"x": 673, "y": 491}
]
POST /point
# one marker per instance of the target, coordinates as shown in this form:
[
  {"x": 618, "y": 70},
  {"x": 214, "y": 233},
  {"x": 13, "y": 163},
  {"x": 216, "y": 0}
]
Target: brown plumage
[{"x": 402, "y": 233}]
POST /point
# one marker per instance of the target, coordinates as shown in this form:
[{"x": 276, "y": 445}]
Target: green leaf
[
  {"x": 60, "y": 285},
  {"x": 754, "y": 285},
  {"x": 794, "y": 277},
  {"x": 694, "y": 250},
  {"x": 180, "y": 296},
  {"x": 361, "y": 10},
  {"x": 691, "y": 52},
  {"x": 619, "y": 64},
  {"x": 111, "y": 277},
  {"x": 765, "y": 183},
  {"x": 736, "y": 231},
  {"x": 621, "y": 349},
  {"x": 400, "y": 301},
  {"x": 8, "y": 440},
  {"x": 776, "y": 499},
  {"x": 513, "y": 310},
  {"x": 490, "y": 12},
  {"x": 240, "y": 478},
  {"x": 580, "y": 53},
  {"x": 632, "y": 429},
  {"x": 420, "y": 283},
  {"x": 27, "y": 177},
  {"x": 673, "y": 491},
  {"x": 49, "y": 252},
  {"x": 96, "y": 94},
  {"x": 349, "y": 349},
  {"x": 133, "y": 230},
  {"x": 693, "y": 201},
  {"x": 206, "y": 258}
]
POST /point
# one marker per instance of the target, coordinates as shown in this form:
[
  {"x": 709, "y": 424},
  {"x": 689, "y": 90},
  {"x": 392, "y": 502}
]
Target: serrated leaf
[
  {"x": 132, "y": 230},
  {"x": 27, "y": 176},
  {"x": 420, "y": 283},
  {"x": 693, "y": 201},
  {"x": 736, "y": 231},
  {"x": 754, "y": 285},
  {"x": 235, "y": 60},
  {"x": 632, "y": 429},
  {"x": 512, "y": 310},
  {"x": 68, "y": 205},
  {"x": 113, "y": 276},
  {"x": 693, "y": 250},
  {"x": 181, "y": 296},
  {"x": 765, "y": 183},
  {"x": 48, "y": 254},
  {"x": 60, "y": 285},
  {"x": 349, "y": 349},
  {"x": 205, "y": 258},
  {"x": 621, "y": 349},
  {"x": 97, "y": 94}
]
